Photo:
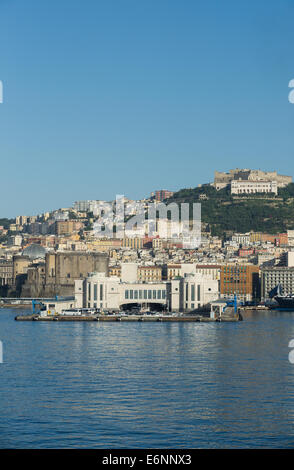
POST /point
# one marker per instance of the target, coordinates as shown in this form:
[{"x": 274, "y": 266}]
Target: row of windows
[
  {"x": 95, "y": 296},
  {"x": 192, "y": 292},
  {"x": 145, "y": 294}
]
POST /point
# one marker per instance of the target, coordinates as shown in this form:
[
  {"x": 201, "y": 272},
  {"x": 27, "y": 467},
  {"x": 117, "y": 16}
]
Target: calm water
[{"x": 129, "y": 385}]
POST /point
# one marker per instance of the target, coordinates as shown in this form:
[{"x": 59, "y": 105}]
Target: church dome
[{"x": 34, "y": 251}]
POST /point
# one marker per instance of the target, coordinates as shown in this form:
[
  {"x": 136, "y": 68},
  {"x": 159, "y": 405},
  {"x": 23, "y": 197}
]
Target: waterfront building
[
  {"x": 182, "y": 294},
  {"x": 242, "y": 280},
  {"x": 62, "y": 269},
  {"x": 272, "y": 276}
]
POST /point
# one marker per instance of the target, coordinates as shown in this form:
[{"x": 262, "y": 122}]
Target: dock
[{"x": 126, "y": 318}]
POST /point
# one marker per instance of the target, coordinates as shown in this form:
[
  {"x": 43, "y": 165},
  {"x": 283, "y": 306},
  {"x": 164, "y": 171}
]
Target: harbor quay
[{"x": 130, "y": 318}]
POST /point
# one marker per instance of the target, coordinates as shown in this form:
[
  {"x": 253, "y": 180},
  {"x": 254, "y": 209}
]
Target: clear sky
[{"x": 106, "y": 97}]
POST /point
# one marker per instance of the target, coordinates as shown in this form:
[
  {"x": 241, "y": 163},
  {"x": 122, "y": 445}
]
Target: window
[
  {"x": 193, "y": 293},
  {"x": 95, "y": 291}
]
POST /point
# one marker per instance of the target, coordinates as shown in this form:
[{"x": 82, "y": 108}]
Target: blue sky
[{"x": 106, "y": 97}]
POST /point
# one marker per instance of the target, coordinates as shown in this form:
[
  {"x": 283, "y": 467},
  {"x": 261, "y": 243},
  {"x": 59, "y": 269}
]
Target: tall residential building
[{"x": 163, "y": 194}]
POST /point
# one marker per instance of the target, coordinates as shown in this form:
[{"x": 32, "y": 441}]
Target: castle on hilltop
[{"x": 250, "y": 181}]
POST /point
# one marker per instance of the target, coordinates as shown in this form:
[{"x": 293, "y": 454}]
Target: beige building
[
  {"x": 212, "y": 270},
  {"x": 20, "y": 265},
  {"x": 115, "y": 271},
  {"x": 149, "y": 273},
  {"x": 67, "y": 227},
  {"x": 134, "y": 243},
  {"x": 6, "y": 272},
  {"x": 62, "y": 269}
]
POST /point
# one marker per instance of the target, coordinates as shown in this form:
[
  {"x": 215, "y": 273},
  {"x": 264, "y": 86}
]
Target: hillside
[{"x": 258, "y": 212}]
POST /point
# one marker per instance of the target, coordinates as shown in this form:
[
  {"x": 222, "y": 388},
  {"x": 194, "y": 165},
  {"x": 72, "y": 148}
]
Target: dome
[{"x": 34, "y": 251}]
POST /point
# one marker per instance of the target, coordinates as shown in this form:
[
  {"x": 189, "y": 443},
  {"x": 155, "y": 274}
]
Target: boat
[{"x": 285, "y": 302}]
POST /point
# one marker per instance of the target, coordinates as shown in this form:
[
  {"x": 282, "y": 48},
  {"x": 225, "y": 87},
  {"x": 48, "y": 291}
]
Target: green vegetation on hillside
[
  {"x": 258, "y": 212},
  {"x": 6, "y": 222}
]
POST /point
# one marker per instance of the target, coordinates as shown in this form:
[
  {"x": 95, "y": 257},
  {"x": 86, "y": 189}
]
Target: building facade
[
  {"x": 242, "y": 280},
  {"x": 251, "y": 187},
  {"x": 272, "y": 276},
  {"x": 183, "y": 294},
  {"x": 6, "y": 272},
  {"x": 62, "y": 269},
  {"x": 223, "y": 180}
]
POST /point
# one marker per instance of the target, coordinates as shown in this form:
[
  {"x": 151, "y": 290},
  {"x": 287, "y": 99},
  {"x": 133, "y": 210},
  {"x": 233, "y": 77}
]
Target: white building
[
  {"x": 250, "y": 187},
  {"x": 290, "y": 259},
  {"x": 290, "y": 234},
  {"x": 111, "y": 293},
  {"x": 241, "y": 238}
]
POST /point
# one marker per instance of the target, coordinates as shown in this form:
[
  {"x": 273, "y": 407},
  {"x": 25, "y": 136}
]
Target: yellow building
[
  {"x": 149, "y": 273},
  {"x": 115, "y": 271},
  {"x": 134, "y": 243},
  {"x": 173, "y": 270}
]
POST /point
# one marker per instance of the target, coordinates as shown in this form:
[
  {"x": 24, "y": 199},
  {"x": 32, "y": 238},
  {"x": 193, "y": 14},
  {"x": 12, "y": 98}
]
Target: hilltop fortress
[{"x": 246, "y": 180}]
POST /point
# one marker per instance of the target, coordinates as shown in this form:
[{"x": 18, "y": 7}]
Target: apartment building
[{"x": 149, "y": 273}]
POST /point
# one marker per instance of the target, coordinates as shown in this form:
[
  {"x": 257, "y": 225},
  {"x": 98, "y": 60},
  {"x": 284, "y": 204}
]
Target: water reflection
[{"x": 147, "y": 385}]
